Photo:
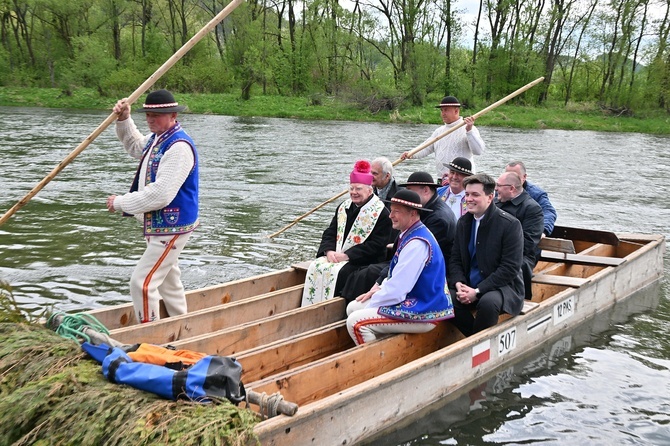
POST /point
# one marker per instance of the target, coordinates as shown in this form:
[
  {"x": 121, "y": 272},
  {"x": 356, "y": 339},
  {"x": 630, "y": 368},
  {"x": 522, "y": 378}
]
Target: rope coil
[
  {"x": 269, "y": 405},
  {"x": 72, "y": 326}
]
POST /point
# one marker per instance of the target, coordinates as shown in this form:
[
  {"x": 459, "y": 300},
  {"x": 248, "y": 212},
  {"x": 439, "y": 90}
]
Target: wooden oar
[
  {"x": 419, "y": 148},
  {"x": 130, "y": 100}
]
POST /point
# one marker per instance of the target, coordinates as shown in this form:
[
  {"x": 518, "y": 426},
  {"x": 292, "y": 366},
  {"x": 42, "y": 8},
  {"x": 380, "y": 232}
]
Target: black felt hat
[
  {"x": 409, "y": 199},
  {"x": 161, "y": 101},
  {"x": 420, "y": 179},
  {"x": 460, "y": 165},
  {"x": 448, "y": 101}
]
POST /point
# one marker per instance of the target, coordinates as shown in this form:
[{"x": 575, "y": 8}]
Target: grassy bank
[{"x": 572, "y": 117}]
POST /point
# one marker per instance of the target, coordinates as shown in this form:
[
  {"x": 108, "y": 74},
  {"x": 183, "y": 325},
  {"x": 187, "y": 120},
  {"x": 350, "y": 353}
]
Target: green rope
[{"x": 72, "y": 325}]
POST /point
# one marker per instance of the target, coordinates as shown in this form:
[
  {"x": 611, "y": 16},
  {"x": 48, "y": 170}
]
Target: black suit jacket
[
  {"x": 442, "y": 223},
  {"x": 530, "y": 214},
  {"x": 372, "y": 250},
  {"x": 499, "y": 255}
]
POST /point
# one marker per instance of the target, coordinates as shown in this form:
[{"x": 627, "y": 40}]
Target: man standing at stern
[
  {"x": 465, "y": 141},
  {"x": 414, "y": 296},
  {"x": 164, "y": 197},
  {"x": 485, "y": 263}
]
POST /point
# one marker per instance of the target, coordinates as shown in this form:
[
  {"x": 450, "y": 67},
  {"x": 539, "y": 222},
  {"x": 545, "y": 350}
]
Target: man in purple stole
[
  {"x": 414, "y": 296},
  {"x": 164, "y": 197}
]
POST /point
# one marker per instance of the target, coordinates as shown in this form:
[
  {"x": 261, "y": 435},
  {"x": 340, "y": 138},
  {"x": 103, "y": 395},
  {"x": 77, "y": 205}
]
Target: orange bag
[{"x": 154, "y": 354}]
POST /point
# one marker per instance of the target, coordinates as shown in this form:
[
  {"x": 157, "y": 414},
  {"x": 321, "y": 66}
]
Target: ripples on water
[{"x": 258, "y": 174}]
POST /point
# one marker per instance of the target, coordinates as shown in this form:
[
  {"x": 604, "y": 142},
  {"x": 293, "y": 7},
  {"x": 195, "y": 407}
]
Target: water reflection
[
  {"x": 561, "y": 394},
  {"x": 258, "y": 174}
]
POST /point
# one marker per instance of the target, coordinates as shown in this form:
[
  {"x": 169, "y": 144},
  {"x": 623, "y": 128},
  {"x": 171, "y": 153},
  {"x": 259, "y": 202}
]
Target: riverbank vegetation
[
  {"x": 52, "y": 393},
  {"x": 585, "y": 116},
  {"x": 378, "y": 60}
]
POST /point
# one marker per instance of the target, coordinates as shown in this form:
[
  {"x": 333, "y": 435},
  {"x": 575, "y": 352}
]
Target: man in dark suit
[
  {"x": 512, "y": 198},
  {"x": 485, "y": 261},
  {"x": 536, "y": 193}
]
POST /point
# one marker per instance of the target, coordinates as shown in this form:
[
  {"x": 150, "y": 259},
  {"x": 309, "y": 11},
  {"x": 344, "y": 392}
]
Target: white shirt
[
  {"x": 173, "y": 169},
  {"x": 457, "y": 143},
  {"x": 455, "y": 202},
  {"x": 406, "y": 272}
]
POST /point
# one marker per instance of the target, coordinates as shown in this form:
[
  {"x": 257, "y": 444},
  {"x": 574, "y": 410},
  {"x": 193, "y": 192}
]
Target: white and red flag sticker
[{"x": 481, "y": 353}]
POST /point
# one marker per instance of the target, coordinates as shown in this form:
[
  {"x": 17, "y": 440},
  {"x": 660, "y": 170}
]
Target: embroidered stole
[{"x": 322, "y": 275}]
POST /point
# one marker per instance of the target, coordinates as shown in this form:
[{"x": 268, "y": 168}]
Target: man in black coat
[
  {"x": 512, "y": 198},
  {"x": 485, "y": 262},
  {"x": 440, "y": 222}
]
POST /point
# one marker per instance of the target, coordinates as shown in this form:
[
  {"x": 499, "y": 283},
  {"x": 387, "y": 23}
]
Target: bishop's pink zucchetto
[{"x": 361, "y": 173}]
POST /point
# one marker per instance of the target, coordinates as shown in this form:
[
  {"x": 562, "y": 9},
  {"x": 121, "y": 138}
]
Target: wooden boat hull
[
  {"x": 348, "y": 393},
  {"x": 356, "y": 413}
]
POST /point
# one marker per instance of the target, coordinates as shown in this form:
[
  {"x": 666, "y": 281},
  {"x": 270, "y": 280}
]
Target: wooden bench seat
[
  {"x": 581, "y": 259},
  {"x": 557, "y": 245},
  {"x": 551, "y": 279},
  {"x": 302, "y": 265}
]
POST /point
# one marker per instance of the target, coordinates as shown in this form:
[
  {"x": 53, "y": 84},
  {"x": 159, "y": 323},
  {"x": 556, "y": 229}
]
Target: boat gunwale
[{"x": 451, "y": 352}]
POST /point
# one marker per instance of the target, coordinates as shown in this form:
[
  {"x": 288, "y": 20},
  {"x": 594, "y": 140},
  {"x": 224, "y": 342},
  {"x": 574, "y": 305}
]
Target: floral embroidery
[{"x": 321, "y": 274}]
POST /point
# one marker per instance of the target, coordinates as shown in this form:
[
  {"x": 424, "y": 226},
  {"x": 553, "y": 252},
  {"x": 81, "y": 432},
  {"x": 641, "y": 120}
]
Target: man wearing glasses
[{"x": 514, "y": 199}]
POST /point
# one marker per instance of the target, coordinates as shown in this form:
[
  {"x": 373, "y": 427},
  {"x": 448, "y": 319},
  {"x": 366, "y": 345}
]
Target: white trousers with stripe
[
  {"x": 365, "y": 324},
  {"x": 157, "y": 276}
]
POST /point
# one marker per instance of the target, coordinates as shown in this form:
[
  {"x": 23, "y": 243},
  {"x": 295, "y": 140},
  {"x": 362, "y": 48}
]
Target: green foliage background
[{"x": 380, "y": 55}]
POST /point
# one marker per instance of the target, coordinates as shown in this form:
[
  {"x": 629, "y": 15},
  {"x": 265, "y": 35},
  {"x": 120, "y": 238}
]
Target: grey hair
[
  {"x": 387, "y": 166},
  {"x": 518, "y": 163}
]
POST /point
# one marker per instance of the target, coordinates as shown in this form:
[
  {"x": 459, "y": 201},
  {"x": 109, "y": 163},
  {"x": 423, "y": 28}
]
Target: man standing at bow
[
  {"x": 452, "y": 191},
  {"x": 464, "y": 142},
  {"x": 414, "y": 296},
  {"x": 357, "y": 236},
  {"x": 164, "y": 197}
]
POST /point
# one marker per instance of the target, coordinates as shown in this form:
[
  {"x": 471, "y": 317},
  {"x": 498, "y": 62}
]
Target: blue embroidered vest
[
  {"x": 429, "y": 300},
  {"x": 181, "y": 215}
]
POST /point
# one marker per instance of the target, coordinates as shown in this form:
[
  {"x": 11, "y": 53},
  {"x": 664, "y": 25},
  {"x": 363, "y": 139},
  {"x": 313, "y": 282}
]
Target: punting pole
[
  {"x": 130, "y": 100},
  {"x": 419, "y": 148}
]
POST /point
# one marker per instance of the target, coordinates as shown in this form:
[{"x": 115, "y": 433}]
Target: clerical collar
[{"x": 364, "y": 203}]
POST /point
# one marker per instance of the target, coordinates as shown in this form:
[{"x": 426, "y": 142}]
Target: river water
[{"x": 607, "y": 383}]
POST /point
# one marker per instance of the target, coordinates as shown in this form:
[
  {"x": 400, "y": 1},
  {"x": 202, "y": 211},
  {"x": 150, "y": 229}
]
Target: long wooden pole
[
  {"x": 419, "y": 148},
  {"x": 130, "y": 100}
]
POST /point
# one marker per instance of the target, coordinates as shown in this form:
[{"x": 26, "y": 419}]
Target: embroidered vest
[
  {"x": 181, "y": 215},
  {"x": 446, "y": 195},
  {"x": 429, "y": 299}
]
